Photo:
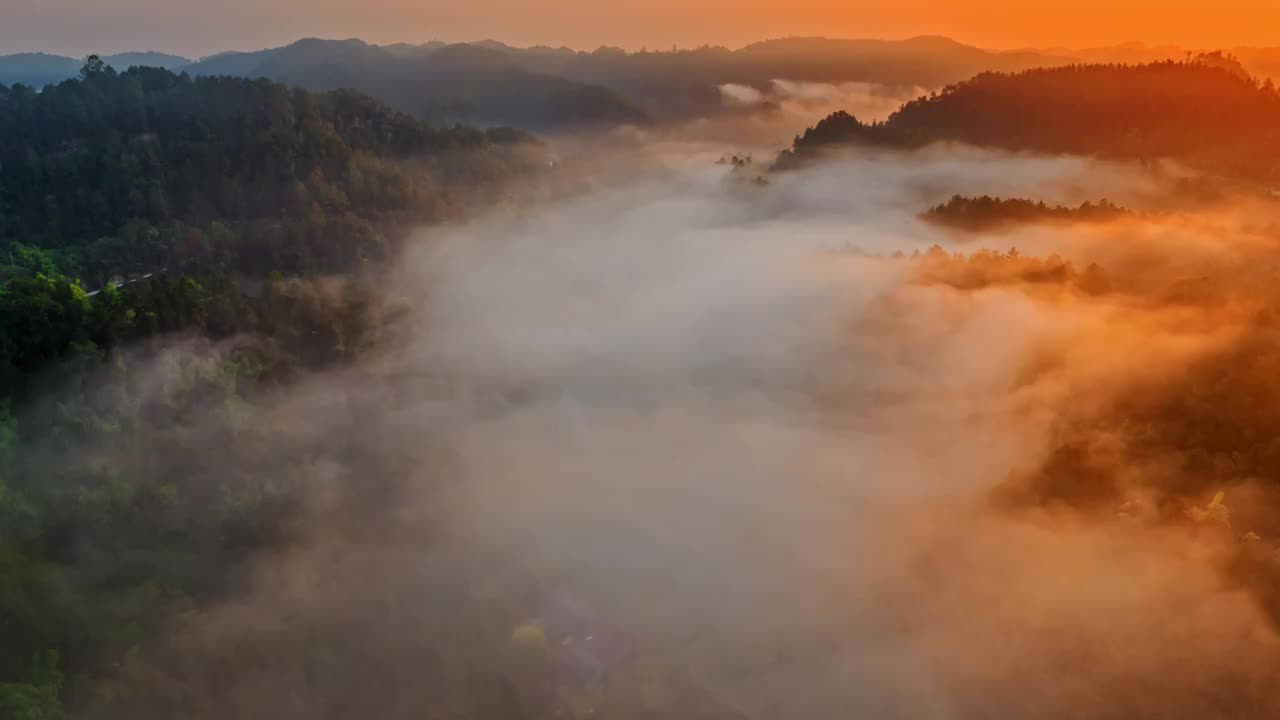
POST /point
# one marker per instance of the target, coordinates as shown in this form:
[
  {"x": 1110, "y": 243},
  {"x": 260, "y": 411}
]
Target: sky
[{"x": 77, "y": 27}]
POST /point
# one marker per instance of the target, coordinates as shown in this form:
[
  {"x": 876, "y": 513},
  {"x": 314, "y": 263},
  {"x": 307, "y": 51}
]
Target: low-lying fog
[{"x": 680, "y": 444}]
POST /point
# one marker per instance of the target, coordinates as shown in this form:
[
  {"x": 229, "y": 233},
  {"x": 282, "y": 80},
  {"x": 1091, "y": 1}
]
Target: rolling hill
[
  {"x": 549, "y": 88},
  {"x": 686, "y": 84},
  {"x": 1204, "y": 113},
  {"x": 444, "y": 85}
]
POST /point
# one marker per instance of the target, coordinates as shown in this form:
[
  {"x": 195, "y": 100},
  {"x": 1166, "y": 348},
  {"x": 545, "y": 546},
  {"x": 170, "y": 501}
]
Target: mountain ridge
[{"x": 544, "y": 88}]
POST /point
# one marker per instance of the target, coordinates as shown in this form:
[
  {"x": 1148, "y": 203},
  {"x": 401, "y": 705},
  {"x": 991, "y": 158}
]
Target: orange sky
[{"x": 192, "y": 27}]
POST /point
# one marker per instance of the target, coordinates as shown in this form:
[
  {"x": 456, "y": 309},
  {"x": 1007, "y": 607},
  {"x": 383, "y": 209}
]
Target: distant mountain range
[
  {"x": 40, "y": 69},
  {"x": 1260, "y": 62},
  {"x": 544, "y": 88},
  {"x": 444, "y": 84}
]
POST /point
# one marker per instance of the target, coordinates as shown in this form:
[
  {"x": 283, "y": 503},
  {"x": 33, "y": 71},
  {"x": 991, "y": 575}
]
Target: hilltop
[{"x": 1204, "y": 113}]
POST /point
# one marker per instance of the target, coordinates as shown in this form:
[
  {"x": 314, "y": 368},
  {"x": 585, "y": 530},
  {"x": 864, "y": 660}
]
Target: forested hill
[
  {"x": 194, "y": 184},
  {"x": 247, "y": 221},
  {"x": 1204, "y": 113},
  {"x": 121, "y": 174}
]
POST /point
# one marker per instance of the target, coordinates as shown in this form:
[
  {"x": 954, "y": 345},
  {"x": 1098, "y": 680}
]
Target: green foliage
[
  {"x": 37, "y": 698},
  {"x": 23, "y": 259},
  {"x": 41, "y": 318},
  {"x": 126, "y": 174},
  {"x": 129, "y": 471},
  {"x": 110, "y": 518}
]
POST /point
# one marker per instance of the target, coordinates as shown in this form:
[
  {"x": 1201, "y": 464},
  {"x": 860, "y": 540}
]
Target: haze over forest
[{"x": 812, "y": 378}]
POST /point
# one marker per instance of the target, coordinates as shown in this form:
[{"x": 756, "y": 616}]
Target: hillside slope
[{"x": 1200, "y": 114}]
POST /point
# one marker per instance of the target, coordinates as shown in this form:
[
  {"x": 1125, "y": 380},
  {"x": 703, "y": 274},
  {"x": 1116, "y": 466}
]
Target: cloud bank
[{"x": 676, "y": 445}]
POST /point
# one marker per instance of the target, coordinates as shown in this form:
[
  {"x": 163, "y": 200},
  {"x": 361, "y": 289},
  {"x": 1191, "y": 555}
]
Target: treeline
[
  {"x": 986, "y": 212},
  {"x": 1201, "y": 113},
  {"x": 52, "y": 331}
]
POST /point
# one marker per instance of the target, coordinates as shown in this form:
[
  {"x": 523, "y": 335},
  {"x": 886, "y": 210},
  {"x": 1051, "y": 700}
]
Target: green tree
[{"x": 93, "y": 66}]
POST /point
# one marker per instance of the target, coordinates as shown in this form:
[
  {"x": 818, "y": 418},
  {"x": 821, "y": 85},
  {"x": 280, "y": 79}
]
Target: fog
[
  {"x": 768, "y": 117},
  {"x": 679, "y": 444}
]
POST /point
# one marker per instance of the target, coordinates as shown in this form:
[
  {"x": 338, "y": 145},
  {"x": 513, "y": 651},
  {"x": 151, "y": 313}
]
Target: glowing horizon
[{"x": 71, "y": 27}]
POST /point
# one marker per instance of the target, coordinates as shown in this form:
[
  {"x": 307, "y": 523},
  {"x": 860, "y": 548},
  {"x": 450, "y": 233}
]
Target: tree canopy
[
  {"x": 1203, "y": 113},
  {"x": 128, "y": 173},
  {"x": 171, "y": 251}
]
